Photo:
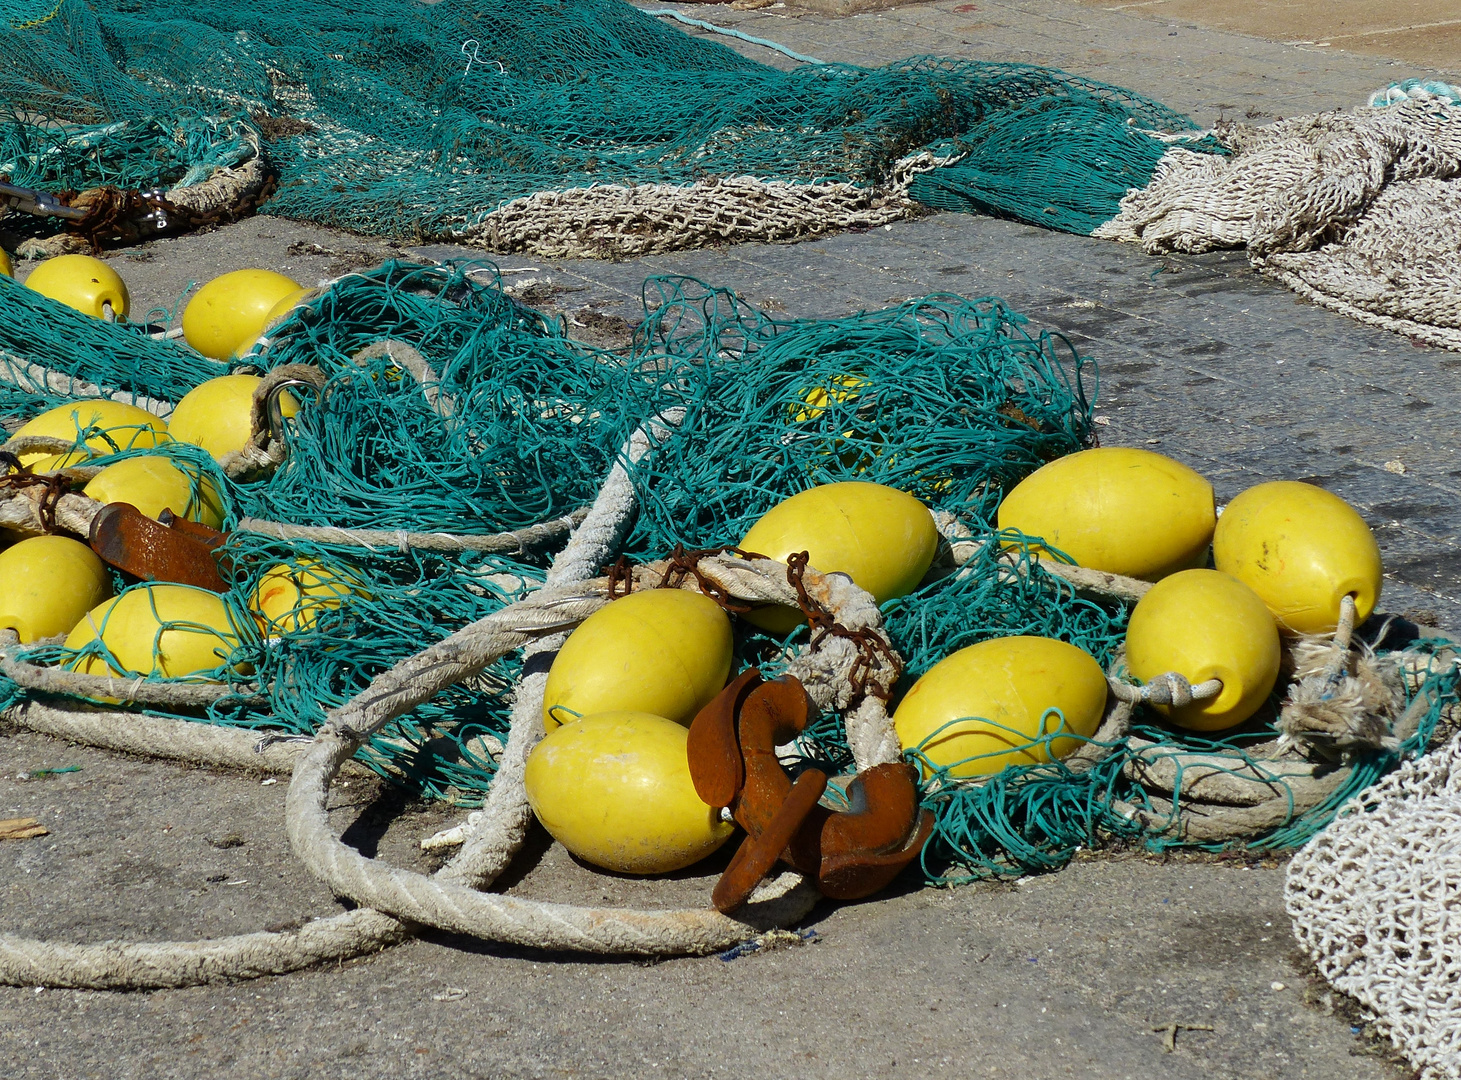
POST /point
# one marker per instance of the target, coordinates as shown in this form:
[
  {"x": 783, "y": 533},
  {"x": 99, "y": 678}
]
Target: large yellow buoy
[
  {"x": 153, "y": 483},
  {"x": 118, "y": 426},
  {"x": 6, "y": 267},
  {"x": 882, "y": 538},
  {"x": 218, "y": 414},
  {"x": 46, "y": 584},
  {"x": 81, "y": 282},
  {"x": 661, "y": 651},
  {"x": 290, "y": 597},
  {"x": 984, "y": 707},
  {"x": 226, "y": 315},
  {"x": 1123, "y": 511},
  {"x": 1302, "y": 549},
  {"x": 615, "y": 790},
  {"x": 1204, "y": 624},
  {"x": 165, "y": 630}
]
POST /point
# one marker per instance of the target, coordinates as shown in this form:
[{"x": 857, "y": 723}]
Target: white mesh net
[{"x": 1376, "y": 903}]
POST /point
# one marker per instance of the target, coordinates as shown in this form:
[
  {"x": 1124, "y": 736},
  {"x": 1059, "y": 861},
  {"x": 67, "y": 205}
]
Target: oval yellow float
[
  {"x": 1204, "y": 624},
  {"x": 118, "y": 426},
  {"x": 1302, "y": 549},
  {"x": 6, "y": 267},
  {"x": 983, "y": 707},
  {"x": 84, "y": 283},
  {"x": 153, "y": 483},
  {"x": 661, "y": 651},
  {"x": 291, "y": 597},
  {"x": 46, "y": 584},
  {"x": 615, "y": 790},
  {"x": 161, "y": 630},
  {"x": 218, "y": 415},
  {"x": 1123, "y": 511},
  {"x": 226, "y": 315},
  {"x": 882, "y": 538}
]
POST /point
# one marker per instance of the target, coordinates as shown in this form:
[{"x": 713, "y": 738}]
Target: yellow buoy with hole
[
  {"x": 6, "y": 266},
  {"x": 1124, "y": 511},
  {"x": 1204, "y": 624},
  {"x": 290, "y": 597},
  {"x": 153, "y": 483},
  {"x": 218, "y": 414},
  {"x": 660, "y": 651},
  {"x": 989, "y": 705},
  {"x": 46, "y": 584},
  {"x": 110, "y": 425},
  {"x": 84, "y": 283},
  {"x": 226, "y": 315},
  {"x": 615, "y": 790},
  {"x": 1302, "y": 549},
  {"x": 161, "y": 630},
  {"x": 882, "y": 538}
]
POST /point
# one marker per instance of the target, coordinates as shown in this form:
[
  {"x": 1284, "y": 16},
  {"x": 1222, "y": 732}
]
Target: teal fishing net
[
  {"x": 385, "y": 117},
  {"x": 506, "y": 422}
]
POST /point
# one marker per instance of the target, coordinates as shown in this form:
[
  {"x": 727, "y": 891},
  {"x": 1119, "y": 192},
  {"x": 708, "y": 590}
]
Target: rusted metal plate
[{"x": 131, "y": 541}]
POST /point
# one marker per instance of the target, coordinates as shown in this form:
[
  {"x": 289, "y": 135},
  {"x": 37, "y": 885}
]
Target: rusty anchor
[
  {"x": 850, "y": 853},
  {"x": 172, "y": 550}
]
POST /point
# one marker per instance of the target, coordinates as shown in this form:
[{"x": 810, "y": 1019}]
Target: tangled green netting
[
  {"x": 407, "y": 120},
  {"x": 953, "y": 399}
]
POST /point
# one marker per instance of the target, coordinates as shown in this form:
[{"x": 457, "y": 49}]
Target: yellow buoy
[
  {"x": 218, "y": 414},
  {"x": 226, "y": 315},
  {"x": 1302, "y": 549},
  {"x": 6, "y": 267},
  {"x": 81, "y": 282},
  {"x": 110, "y": 426},
  {"x": 153, "y": 483},
  {"x": 46, "y": 584},
  {"x": 661, "y": 651},
  {"x": 1204, "y": 624},
  {"x": 882, "y": 538},
  {"x": 984, "y": 707},
  {"x": 615, "y": 790},
  {"x": 164, "y": 630},
  {"x": 291, "y": 597},
  {"x": 1123, "y": 511}
]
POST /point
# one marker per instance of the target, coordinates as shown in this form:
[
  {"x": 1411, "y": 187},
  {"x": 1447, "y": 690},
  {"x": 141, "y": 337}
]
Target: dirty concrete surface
[{"x": 1069, "y": 974}]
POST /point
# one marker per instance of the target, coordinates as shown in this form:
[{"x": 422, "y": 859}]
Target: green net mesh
[{"x": 387, "y": 118}]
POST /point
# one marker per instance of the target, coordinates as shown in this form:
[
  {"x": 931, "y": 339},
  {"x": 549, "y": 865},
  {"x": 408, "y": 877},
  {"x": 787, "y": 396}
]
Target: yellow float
[
  {"x": 1302, "y": 549},
  {"x": 46, "y": 584},
  {"x": 882, "y": 538},
  {"x": 81, "y": 282},
  {"x": 160, "y": 630},
  {"x": 1124, "y": 511},
  {"x": 660, "y": 651},
  {"x": 986, "y": 706},
  {"x": 226, "y": 316},
  {"x": 153, "y": 483},
  {"x": 615, "y": 790},
  {"x": 6, "y": 267},
  {"x": 118, "y": 426},
  {"x": 1204, "y": 624},
  {"x": 57, "y": 462},
  {"x": 218, "y": 414},
  {"x": 290, "y": 598}
]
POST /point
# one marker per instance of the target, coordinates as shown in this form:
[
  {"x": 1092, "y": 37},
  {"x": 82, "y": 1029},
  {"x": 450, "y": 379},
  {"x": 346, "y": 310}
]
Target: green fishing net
[
  {"x": 388, "y": 117},
  {"x": 506, "y": 422}
]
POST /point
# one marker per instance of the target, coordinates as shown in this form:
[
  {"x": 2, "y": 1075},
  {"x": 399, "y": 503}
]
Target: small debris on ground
[{"x": 21, "y": 828}]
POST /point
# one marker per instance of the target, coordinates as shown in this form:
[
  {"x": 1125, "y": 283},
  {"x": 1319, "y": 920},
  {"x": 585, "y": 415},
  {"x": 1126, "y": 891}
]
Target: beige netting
[
  {"x": 1358, "y": 211},
  {"x": 1376, "y": 903}
]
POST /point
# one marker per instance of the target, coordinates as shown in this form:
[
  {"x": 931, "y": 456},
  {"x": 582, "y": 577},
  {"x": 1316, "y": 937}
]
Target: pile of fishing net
[
  {"x": 449, "y": 440},
  {"x": 1358, "y": 211},
  {"x": 581, "y": 129}
]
